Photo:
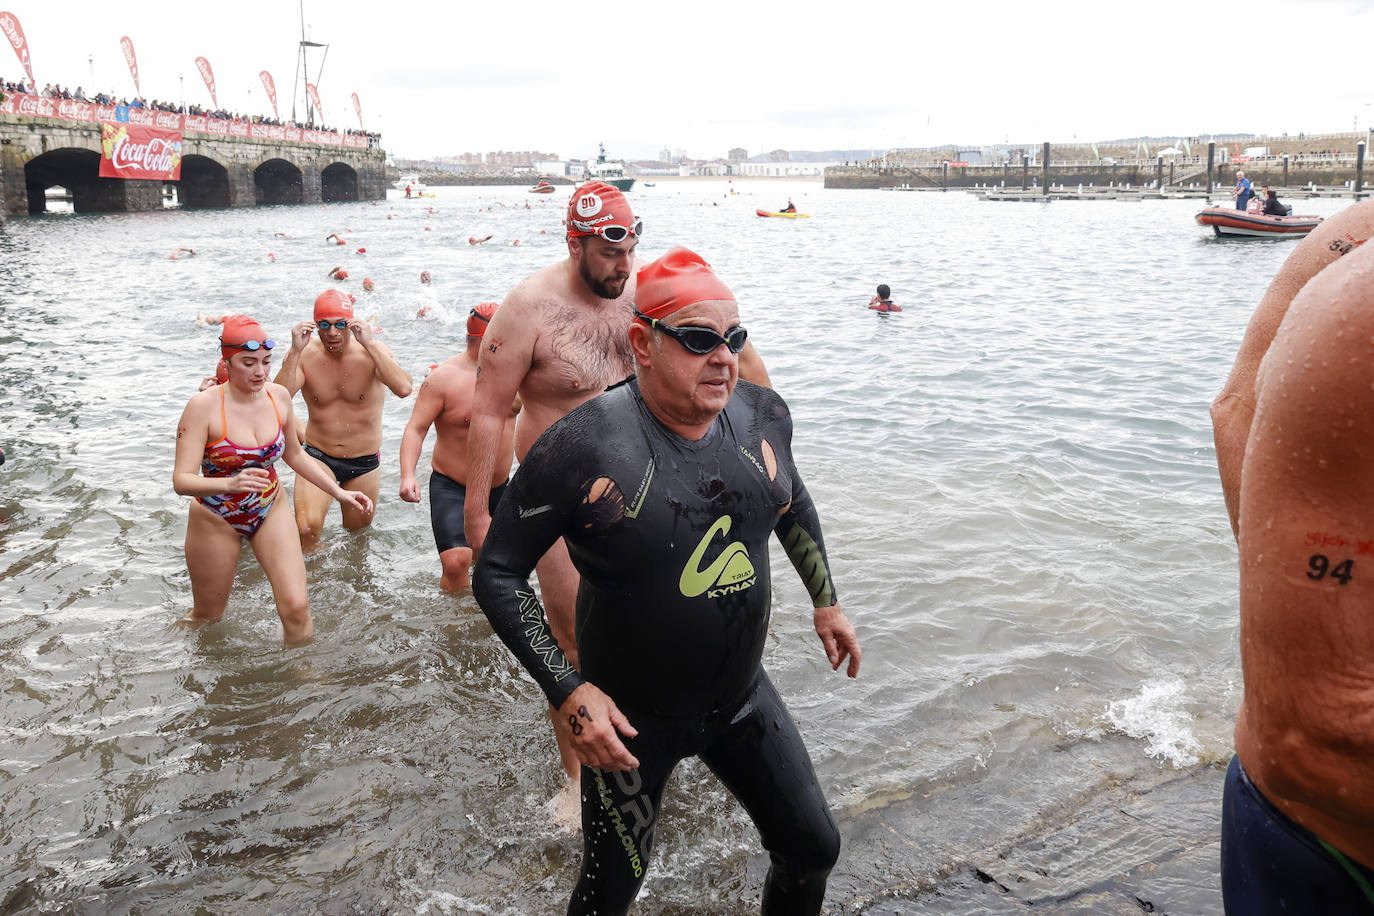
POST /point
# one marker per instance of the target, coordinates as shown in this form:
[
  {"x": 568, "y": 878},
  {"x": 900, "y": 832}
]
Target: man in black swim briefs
[
  {"x": 445, "y": 402},
  {"x": 666, "y": 489},
  {"x": 343, "y": 375}
]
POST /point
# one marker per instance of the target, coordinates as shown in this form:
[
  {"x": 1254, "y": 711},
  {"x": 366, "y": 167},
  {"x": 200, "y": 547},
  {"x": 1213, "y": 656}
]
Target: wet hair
[{"x": 883, "y": 291}]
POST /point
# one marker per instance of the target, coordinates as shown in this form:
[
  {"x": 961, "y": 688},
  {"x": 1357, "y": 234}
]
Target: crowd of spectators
[{"x": 53, "y": 91}]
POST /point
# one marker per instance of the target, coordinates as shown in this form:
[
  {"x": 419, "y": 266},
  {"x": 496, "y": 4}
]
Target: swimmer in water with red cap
[
  {"x": 445, "y": 402},
  {"x": 229, "y": 437},
  {"x": 343, "y": 375},
  {"x": 668, "y": 490},
  {"x": 561, "y": 338}
]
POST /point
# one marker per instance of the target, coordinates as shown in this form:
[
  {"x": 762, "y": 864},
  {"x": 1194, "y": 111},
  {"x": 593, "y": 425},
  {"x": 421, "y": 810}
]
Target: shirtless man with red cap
[
  {"x": 1294, "y": 433},
  {"x": 445, "y": 401},
  {"x": 560, "y": 338},
  {"x": 343, "y": 375}
]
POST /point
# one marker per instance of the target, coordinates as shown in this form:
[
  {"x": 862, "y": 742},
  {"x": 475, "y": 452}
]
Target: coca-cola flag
[
  {"x": 271, "y": 88},
  {"x": 135, "y": 151},
  {"x": 358, "y": 107},
  {"x": 208, "y": 75},
  {"x": 314, "y": 94},
  {"x": 127, "y": 44},
  {"x": 9, "y": 24}
]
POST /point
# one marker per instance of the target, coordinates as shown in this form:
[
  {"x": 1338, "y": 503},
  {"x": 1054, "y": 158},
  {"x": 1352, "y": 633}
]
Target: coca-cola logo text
[
  {"x": 37, "y": 105},
  {"x": 168, "y": 119},
  {"x": 154, "y": 156}
]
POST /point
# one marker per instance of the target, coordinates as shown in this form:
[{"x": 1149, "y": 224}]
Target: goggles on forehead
[
  {"x": 325, "y": 324},
  {"x": 251, "y": 346},
  {"x": 698, "y": 340},
  {"x": 612, "y": 232},
  {"x": 476, "y": 314}
]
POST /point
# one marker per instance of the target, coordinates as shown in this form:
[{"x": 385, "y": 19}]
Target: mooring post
[
  {"x": 1359, "y": 168},
  {"x": 1285, "y": 170},
  {"x": 944, "y": 175},
  {"x": 1025, "y": 171},
  {"x": 1159, "y": 173},
  {"x": 1211, "y": 159},
  {"x": 1171, "y": 173},
  {"x": 1045, "y": 153}
]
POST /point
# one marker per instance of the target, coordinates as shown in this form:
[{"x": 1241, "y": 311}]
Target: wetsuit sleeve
[
  {"x": 533, "y": 513},
  {"x": 799, "y": 529}
]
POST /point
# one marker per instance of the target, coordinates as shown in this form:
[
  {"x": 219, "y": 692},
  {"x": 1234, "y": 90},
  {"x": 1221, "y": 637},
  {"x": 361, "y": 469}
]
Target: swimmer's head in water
[
  {"x": 884, "y": 292},
  {"x": 367, "y": 284},
  {"x": 333, "y": 303},
  {"x": 596, "y": 208},
  {"x": 678, "y": 279},
  {"x": 242, "y": 334},
  {"x": 479, "y": 317},
  {"x": 424, "y": 276}
]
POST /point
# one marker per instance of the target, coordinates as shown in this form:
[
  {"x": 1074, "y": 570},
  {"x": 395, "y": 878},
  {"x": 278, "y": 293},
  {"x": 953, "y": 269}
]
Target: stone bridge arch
[
  {"x": 204, "y": 183},
  {"x": 338, "y": 182},
  {"x": 278, "y": 181}
]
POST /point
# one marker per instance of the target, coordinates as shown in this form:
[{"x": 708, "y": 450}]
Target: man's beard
[{"x": 602, "y": 288}]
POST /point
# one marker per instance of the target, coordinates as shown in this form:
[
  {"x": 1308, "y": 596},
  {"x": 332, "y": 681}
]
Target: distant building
[
  {"x": 737, "y": 155},
  {"x": 665, "y": 155},
  {"x": 551, "y": 167}
]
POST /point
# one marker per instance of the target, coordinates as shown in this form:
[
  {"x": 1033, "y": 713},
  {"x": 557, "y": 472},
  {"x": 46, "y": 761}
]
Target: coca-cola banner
[
  {"x": 127, "y": 44},
  {"x": 133, "y": 151},
  {"x": 271, "y": 88},
  {"x": 208, "y": 75},
  {"x": 9, "y": 24},
  {"x": 314, "y": 94},
  {"x": 358, "y": 107},
  {"x": 71, "y": 110}
]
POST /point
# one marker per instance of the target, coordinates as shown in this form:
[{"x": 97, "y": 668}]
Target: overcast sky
[{"x": 447, "y": 78}]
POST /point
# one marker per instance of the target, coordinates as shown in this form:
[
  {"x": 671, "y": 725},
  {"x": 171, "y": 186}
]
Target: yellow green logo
[{"x": 729, "y": 572}]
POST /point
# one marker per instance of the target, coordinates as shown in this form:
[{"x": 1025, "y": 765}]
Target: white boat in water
[{"x": 610, "y": 171}]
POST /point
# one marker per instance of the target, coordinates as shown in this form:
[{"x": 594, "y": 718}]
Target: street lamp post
[
  {"x": 181, "y": 77},
  {"x": 90, "y": 60}
]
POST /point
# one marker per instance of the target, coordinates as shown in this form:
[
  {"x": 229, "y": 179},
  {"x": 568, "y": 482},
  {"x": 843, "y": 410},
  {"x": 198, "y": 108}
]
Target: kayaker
[{"x": 790, "y": 208}]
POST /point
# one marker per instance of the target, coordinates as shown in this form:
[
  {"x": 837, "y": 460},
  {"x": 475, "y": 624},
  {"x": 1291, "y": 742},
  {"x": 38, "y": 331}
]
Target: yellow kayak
[{"x": 783, "y": 215}]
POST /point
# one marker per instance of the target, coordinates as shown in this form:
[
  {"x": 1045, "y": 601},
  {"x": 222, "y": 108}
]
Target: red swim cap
[
  {"x": 333, "y": 303},
  {"x": 237, "y": 329},
  {"x": 597, "y": 204},
  {"x": 479, "y": 317},
  {"x": 367, "y": 283},
  {"x": 678, "y": 279}
]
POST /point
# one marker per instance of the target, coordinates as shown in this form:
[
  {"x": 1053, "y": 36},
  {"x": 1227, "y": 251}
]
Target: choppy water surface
[{"x": 1016, "y": 477}]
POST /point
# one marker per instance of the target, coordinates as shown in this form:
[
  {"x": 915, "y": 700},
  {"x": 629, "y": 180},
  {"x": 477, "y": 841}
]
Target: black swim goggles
[
  {"x": 251, "y": 346},
  {"x": 324, "y": 325},
  {"x": 696, "y": 339}
]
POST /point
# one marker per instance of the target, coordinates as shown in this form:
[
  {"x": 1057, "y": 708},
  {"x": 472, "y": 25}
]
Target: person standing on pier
[{"x": 1294, "y": 428}]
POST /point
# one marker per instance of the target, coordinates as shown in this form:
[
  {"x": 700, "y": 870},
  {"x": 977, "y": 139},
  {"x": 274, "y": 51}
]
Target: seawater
[{"x": 1015, "y": 475}]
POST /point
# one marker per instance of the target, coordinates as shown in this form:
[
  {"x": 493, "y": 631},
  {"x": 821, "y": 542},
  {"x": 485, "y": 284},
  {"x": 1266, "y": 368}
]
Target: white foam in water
[{"x": 1159, "y": 716}]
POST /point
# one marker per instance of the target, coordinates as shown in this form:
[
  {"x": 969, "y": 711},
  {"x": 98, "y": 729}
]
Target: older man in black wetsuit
[{"x": 666, "y": 489}]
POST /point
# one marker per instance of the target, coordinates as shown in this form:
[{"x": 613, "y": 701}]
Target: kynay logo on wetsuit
[{"x": 730, "y": 572}]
